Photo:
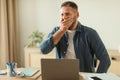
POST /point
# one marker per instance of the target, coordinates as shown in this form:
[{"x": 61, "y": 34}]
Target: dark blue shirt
[{"x": 87, "y": 44}]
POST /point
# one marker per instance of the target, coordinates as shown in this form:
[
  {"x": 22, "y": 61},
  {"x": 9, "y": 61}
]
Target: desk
[
  {"x": 102, "y": 76},
  {"x": 81, "y": 78},
  {"x": 38, "y": 77},
  {"x": 34, "y": 77}
]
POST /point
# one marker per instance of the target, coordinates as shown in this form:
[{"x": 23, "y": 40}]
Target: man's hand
[{"x": 65, "y": 23}]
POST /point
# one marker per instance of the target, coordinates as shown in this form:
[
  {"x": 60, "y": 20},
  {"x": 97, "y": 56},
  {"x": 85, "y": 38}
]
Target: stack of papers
[{"x": 102, "y": 76}]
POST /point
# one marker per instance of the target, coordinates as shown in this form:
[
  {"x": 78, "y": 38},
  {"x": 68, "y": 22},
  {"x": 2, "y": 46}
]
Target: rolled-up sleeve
[{"x": 47, "y": 45}]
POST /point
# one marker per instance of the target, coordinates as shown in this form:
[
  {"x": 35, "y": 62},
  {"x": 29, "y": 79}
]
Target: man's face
[{"x": 69, "y": 12}]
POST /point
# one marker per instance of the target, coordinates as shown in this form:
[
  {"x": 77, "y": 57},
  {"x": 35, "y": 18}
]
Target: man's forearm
[
  {"x": 58, "y": 35},
  {"x": 104, "y": 65}
]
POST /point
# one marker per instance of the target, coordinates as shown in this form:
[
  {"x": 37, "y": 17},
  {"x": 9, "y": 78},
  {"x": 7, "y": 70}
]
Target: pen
[{"x": 12, "y": 68}]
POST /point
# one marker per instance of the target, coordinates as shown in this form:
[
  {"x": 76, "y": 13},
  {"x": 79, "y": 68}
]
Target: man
[{"x": 76, "y": 41}]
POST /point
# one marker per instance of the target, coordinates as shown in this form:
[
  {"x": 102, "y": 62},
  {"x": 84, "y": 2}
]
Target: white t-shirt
[{"x": 70, "y": 54}]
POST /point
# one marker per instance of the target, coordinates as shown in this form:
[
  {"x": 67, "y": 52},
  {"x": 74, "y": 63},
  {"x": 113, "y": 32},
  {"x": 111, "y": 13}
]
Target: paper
[
  {"x": 2, "y": 72},
  {"x": 103, "y": 76}
]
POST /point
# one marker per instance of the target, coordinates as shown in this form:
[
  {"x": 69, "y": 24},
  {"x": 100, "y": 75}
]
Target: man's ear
[{"x": 77, "y": 14}]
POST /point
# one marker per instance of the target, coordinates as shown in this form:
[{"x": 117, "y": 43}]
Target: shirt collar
[{"x": 79, "y": 27}]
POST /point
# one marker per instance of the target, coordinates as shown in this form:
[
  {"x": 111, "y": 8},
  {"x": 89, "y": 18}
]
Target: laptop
[{"x": 60, "y": 69}]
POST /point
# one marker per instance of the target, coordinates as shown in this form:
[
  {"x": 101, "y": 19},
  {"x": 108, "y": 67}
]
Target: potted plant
[{"x": 35, "y": 39}]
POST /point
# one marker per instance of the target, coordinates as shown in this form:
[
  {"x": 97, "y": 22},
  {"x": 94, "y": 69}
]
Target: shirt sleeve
[
  {"x": 47, "y": 45},
  {"x": 98, "y": 48}
]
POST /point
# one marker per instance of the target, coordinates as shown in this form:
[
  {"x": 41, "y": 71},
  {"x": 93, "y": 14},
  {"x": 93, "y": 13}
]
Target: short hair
[{"x": 71, "y": 4}]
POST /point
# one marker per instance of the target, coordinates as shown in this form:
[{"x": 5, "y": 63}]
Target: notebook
[
  {"x": 29, "y": 71},
  {"x": 60, "y": 69}
]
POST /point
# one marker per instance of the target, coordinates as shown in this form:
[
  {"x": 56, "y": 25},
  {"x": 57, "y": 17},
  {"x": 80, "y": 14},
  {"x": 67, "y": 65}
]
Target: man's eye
[
  {"x": 61, "y": 14},
  {"x": 67, "y": 14}
]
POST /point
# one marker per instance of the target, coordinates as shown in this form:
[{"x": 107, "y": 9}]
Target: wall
[
  {"x": 102, "y": 15},
  {"x": 27, "y": 22}
]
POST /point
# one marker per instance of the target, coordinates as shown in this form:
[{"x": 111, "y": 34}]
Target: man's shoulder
[{"x": 88, "y": 29}]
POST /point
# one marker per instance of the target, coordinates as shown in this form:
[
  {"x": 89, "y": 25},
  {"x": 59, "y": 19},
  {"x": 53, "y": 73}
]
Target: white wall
[
  {"x": 102, "y": 15},
  {"x": 27, "y": 22}
]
